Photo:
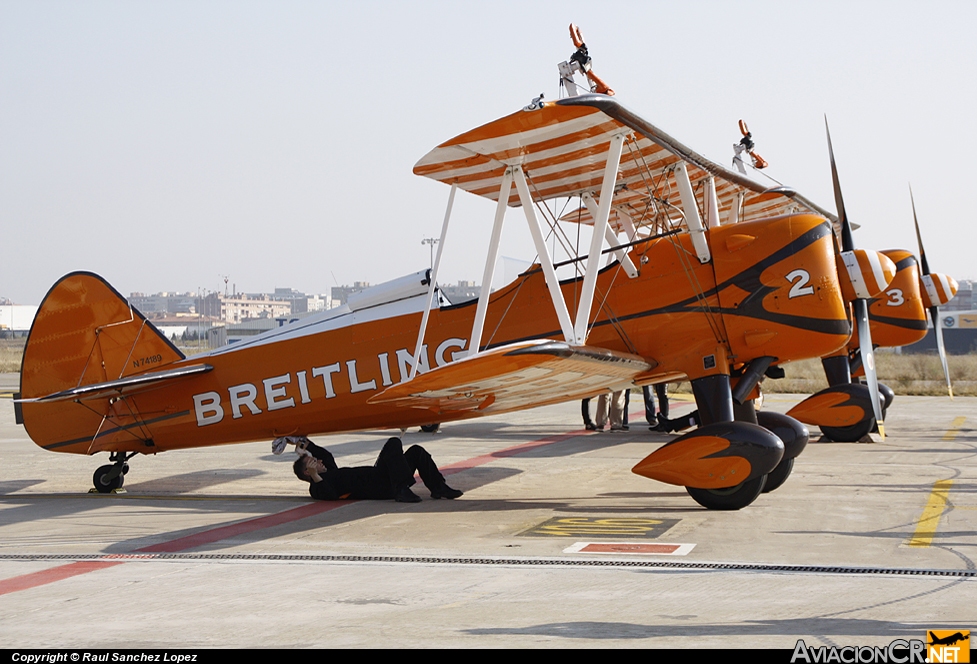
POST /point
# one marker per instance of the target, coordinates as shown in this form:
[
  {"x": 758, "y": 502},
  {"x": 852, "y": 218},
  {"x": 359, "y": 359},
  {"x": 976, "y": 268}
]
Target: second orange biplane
[
  {"x": 717, "y": 281},
  {"x": 896, "y": 318}
]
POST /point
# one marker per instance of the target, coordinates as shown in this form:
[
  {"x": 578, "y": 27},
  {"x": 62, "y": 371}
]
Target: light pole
[{"x": 430, "y": 241}]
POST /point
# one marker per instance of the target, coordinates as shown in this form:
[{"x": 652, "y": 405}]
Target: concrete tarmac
[{"x": 222, "y": 547}]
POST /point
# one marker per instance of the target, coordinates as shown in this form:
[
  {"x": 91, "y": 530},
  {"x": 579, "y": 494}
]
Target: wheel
[
  {"x": 734, "y": 498},
  {"x": 103, "y": 484},
  {"x": 851, "y": 434},
  {"x": 430, "y": 428},
  {"x": 778, "y": 475}
]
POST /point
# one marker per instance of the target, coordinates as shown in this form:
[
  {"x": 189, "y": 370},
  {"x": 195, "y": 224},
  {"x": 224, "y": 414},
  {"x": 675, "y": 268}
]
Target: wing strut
[
  {"x": 556, "y": 293},
  {"x": 627, "y": 223},
  {"x": 432, "y": 281},
  {"x": 597, "y": 240},
  {"x": 490, "y": 258},
  {"x": 611, "y": 237},
  {"x": 691, "y": 211}
]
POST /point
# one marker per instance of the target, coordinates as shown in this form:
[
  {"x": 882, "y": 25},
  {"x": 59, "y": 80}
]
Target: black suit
[{"x": 393, "y": 471}]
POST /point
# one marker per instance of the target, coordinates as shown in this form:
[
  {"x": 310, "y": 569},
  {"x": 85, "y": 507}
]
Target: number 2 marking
[{"x": 800, "y": 286}]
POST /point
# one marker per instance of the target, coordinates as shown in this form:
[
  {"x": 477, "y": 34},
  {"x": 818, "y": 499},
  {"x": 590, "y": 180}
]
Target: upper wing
[
  {"x": 520, "y": 375},
  {"x": 562, "y": 148}
]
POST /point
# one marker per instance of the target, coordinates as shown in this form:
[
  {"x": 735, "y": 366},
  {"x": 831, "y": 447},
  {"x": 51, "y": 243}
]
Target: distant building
[
  {"x": 17, "y": 318},
  {"x": 164, "y": 303},
  {"x": 242, "y": 306},
  {"x": 255, "y": 326},
  {"x": 463, "y": 291},
  {"x": 301, "y": 302},
  {"x": 964, "y": 300},
  {"x": 340, "y": 293}
]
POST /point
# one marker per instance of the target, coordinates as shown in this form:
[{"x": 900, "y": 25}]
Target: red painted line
[
  {"x": 242, "y": 527},
  {"x": 26, "y": 581},
  {"x": 616, "y": 547},
  {"x": 453, "y": 468},
  {"x": 35, "y": 579}
]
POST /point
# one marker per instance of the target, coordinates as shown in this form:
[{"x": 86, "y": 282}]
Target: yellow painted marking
[
  {"x": 954, "y": 428},
  {"x": 930, "y": 519},
  {"x": 582, "y": 526}
]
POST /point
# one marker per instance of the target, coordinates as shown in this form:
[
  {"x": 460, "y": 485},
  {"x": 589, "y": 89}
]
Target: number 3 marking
[
  {"x": 895, "y": 297},
  {"x": 800, "y": 286}
]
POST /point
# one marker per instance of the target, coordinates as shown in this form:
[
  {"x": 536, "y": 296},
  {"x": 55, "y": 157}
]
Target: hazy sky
[{"x": 164, "y": 144}]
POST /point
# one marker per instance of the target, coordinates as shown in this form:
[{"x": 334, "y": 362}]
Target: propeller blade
[
  {"x": 847, "y": 242},
  {"x": 934, "y": 310},
  {"x": 859, "y": 306},
  {"x": 919, "y": 238},
  {"x": 868, "y": 360},
  {"x": 938, "y": 331}
]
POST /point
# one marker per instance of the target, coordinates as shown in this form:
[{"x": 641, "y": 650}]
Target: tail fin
[{"x": 84, "y": 333}]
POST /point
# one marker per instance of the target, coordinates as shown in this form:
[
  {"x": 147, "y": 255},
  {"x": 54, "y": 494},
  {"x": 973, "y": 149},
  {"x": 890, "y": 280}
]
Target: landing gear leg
[{"x": 110, "y": 477}]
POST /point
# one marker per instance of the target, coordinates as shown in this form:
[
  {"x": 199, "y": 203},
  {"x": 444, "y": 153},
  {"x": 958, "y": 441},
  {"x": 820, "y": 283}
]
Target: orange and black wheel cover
[
  {"x": 716, "y": 456},
  {"x": 836, "y": 406}
]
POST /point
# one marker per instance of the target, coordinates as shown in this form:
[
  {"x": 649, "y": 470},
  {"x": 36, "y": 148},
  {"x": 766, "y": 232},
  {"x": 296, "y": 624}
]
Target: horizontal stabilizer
[
  {"x": 123, "y": 386},
  {"x": 516, "y": 376}
]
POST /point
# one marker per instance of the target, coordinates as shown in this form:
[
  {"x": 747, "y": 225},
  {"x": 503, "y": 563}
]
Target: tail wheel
[
  {"x": 430, "y": 428},
  {"x": 733, "y": 498},
  {"x": 104, "y": 482},
  {"x": 778, "y": 475}
]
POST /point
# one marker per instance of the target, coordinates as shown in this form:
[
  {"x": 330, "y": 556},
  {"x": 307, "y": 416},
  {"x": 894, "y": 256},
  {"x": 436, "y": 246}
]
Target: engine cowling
[
  {"x": 937, "y": 289},
  {"x": 866, "y": 273}
]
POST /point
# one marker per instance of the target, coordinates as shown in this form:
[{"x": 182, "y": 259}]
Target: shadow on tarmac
[{"x": 812, "y": 630}]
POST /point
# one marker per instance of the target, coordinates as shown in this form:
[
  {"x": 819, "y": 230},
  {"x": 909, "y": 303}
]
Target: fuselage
[{"x": 771, "y": 289}]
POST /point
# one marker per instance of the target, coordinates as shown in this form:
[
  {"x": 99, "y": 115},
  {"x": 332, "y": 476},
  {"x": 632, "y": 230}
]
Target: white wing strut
[
  {"x": 597, "y": 241},
  {"x": 691, "y": 210},
  {"x": 432, "y": 281},
  {"x": 611, "y": 236},
  {"x": 491, "y": 257},
  {"x": 556, "y": 294}
]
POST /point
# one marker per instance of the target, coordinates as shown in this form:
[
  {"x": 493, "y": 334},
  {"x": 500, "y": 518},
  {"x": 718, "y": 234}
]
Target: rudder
[{"x": 85, "y": 332}]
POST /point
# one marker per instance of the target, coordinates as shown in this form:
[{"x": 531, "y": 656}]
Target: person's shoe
[
  {"x": 446, "y": 492},
  {"x": 616, "y": 429},
  {"x": 663, "y": 424},
  {"x": 625, "y": 427},
  {"x": 590, "y": 426},
  {"x": 405, "y": 495}
]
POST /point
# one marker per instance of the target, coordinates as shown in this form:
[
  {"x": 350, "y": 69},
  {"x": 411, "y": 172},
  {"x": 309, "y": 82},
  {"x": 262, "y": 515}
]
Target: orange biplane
[
  {"x": 716, "y": 281},
  {"x": 897, "y": 318}
]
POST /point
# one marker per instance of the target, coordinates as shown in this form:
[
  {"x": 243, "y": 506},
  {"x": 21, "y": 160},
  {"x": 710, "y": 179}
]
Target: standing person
[
  {"x": 588, "y": 424},
  {"x": 390, "y": 477},
  {"x": 612, "y": 405},
  {"x": 624, "y": 411},
  {"x": 662, "y": 391}
]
